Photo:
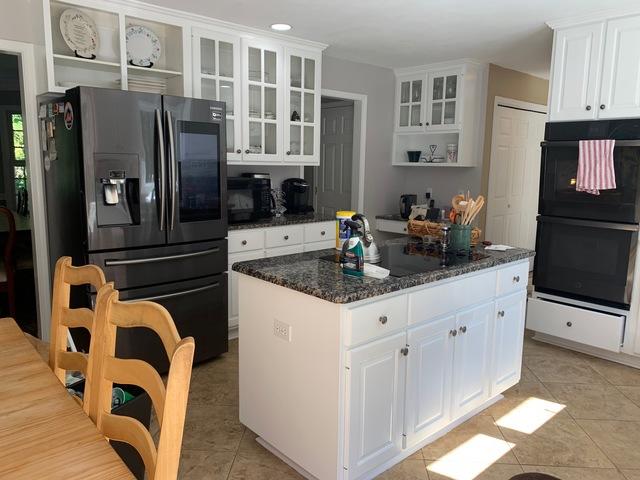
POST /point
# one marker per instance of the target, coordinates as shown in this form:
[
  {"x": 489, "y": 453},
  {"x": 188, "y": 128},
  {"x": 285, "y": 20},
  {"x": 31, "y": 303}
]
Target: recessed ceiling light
[{"x": 281, "y": 27}]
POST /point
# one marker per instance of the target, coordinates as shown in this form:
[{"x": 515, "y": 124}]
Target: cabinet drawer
[
  {"x": 284, "y": 236},
  {"x": 278, "y": 252},
  {"x": 318, "y": 232},
  {"x": 512, "y": 278},
  {"x": 375, "y": 320},
  {"x": 310, "y": 247},
  {"x": 436, "y": 301},
  {"x": 393, "y": 226},
  {"x": 602, "y": 330},
  {"x": 246, "y": 240}
]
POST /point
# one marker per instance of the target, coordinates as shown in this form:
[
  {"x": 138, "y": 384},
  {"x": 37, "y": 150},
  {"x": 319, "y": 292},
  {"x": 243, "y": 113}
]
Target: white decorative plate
[
  {"x": 143, "y": 46},
  {"x": 79, "y": 32}
]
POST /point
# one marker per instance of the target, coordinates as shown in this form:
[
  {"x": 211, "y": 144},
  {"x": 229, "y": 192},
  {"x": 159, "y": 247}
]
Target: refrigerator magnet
[{"x": 68, "y": 116}]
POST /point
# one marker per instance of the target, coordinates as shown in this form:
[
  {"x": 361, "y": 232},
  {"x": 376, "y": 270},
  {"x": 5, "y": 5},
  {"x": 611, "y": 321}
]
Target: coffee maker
[{"x": 297, "y": 196}]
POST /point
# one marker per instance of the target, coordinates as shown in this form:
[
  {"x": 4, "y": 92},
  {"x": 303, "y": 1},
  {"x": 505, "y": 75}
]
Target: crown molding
[
  {"x": 438, "y": 66},
  {"x": 596, "y": 16}
]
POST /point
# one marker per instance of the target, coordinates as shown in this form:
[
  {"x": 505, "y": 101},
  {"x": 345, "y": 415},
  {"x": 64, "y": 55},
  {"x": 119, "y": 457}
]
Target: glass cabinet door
[
  {"x": 302, "y": 106},
  {"x": 262, "y": 94},
  {"x": 443, "y": 100},
  {"x": 217, "y": 77},
  {"x": 410, "y": 99}
]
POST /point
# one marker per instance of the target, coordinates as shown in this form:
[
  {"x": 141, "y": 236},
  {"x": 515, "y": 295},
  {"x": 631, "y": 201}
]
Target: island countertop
[
  {"x": 284, "y": 220},
  {"x": 309, "y": 273}
]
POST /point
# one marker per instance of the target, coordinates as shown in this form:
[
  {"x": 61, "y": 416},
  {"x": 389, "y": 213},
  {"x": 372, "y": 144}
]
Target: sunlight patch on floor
[
  {"x": 471, "y": 458},
  {"x": 530, "y": 415}
]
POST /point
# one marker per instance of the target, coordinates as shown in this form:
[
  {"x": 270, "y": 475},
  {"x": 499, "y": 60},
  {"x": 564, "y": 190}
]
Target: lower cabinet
[
  {"x": 507, "y": 341},
  {"x": 375, "y": 393}
]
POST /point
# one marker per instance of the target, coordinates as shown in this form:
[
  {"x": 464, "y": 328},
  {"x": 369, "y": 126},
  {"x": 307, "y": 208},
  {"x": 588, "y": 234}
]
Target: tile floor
[{"x": 572, "y": 416}]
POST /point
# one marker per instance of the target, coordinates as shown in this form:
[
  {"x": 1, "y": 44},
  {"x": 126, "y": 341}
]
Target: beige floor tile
[
  {"x": 210, "y": 387},
  {"x": 595, "y": 402},
  {"x": 212, "y": 427},
  {"x": 527, "y": 375},
  {"x": 619, "y": 440},
  {"x": 516, "y": 395},
  {"x": 558, "y": 442},
  {"x": 201, "y": 465},
  {"x": 253, "y": 462},
  {"x": 576, "y": 473},
  {"x": 631, "y": 474},
  {"x": 409, "y": 469},
  {"x": 467, "y": 432},
  {"x": 615, "y": 373},
  {"x": 563, "y": 370},
  {"x": 535, "y": 348},
  {"x": 632, "y": 393},
  {"x": 493, "y": 472},
  {"x": 417, "y": 456}
]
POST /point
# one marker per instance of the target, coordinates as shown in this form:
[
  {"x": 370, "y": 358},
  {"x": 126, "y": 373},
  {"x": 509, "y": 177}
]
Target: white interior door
[
  {"x": 333, "y": 176},
  {"x": 512, "y": 202}
]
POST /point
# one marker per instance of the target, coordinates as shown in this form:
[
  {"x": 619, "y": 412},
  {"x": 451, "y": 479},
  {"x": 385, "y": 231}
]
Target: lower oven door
[
  {"x": 586, "y": 260},
  {"x": 198, "y": 308}
]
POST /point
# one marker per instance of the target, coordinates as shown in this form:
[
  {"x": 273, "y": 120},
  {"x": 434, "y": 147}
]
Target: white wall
[{"x": 278, "y": 174}]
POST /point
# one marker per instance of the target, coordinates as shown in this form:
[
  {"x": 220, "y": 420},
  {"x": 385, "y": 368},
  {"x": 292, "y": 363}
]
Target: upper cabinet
[
  {"x": 269, "y": 83},
  {"x": 443, "y": 100},
  {"x": 410, "y": 103},
  {"x": 595, "y": 71}
]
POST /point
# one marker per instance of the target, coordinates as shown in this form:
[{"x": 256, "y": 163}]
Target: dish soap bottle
[{"x": 352, "y": 256}]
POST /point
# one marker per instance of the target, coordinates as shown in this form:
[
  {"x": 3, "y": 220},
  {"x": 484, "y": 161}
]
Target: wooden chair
[
  {"x": 169, "y": 403},
  {"x": 63, "y": 317},
  {"x": 8, "y": 267}
]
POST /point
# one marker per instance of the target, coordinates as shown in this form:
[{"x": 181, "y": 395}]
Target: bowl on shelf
[{"x": 414, "y": 155}]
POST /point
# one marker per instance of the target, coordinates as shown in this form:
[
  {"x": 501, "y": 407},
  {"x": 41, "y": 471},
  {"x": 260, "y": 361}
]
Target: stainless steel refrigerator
[{"x": 136, "y": 183}]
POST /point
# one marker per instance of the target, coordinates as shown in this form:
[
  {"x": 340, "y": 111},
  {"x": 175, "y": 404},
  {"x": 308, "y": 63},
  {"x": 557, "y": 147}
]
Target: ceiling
[{"x": 402, "y": 33}]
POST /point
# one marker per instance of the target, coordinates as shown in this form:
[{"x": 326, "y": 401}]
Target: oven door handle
[
  {"x": 589, "y": 223},
  {"x": 175, "y": 294},
  {"x": 575, "y": 143},
  {"x": 137, "y": 261}
]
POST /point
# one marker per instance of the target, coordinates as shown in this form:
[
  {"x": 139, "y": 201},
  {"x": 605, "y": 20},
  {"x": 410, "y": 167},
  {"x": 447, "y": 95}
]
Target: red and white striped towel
[{"x": 595, "y": 166}]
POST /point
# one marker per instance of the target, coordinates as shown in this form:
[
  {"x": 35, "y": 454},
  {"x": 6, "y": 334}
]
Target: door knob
[
  {"x": 238, "y": 151},
  {"x": 602, "y": 107},
  {"x": 383, "y": 319},
  {"x": 588, "y": 107}
]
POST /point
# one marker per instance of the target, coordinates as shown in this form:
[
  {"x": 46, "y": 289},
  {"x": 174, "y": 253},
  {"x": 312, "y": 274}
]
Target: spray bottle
[{"x": 352, "y": 256}]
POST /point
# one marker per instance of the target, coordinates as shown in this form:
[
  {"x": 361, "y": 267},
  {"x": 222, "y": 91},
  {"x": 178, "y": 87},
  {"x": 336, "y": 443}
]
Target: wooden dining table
[{"x": 44, "y": 433}]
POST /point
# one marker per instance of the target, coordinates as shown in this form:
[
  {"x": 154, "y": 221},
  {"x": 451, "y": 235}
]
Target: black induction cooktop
[{"x": 415, "y": 257}]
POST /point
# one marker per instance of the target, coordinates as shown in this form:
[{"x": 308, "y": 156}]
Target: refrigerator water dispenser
[{"x": 117, "y": 190}]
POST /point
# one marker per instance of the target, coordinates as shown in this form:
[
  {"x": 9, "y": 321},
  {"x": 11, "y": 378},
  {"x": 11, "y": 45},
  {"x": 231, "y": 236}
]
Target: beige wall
[{"x": 504, "y": 82}]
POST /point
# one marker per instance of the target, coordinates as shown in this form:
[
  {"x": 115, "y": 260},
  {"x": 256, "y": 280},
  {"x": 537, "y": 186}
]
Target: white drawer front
[
  {"x": 310, "y": 247},
  {"x": 512, "y": 279},
  {"x": 284, "y": 236},
  {"x": 277, "y": 252},
  {"x": 246, "y": 240},
  {"x": 375, "y": 320},
  {"x": 393, "y": 226},
  {"x": 597, "y": 329},
  {"x": 319, "y": 232},
  {"x": 436, "y": 301}
]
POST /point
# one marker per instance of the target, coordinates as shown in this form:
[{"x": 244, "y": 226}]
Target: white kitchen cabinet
[
  {"x": 444, "y": 93},
  {"x": 233, "y": 282},
  {"x": 375, "y": 388},
  {"x": 429, "y": 375},
  {"x": 472, "y": 356},
  {"x": 302, "y": 106},
  {"x": 410, "y": 102},
  {"x": 508, "y": 326},
  {"x": 620, "y": 92},
  {"x": 216, "y": 76}
]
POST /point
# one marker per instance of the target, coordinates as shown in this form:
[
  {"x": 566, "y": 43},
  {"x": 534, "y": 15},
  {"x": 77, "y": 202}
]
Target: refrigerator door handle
[
  {"x": 136, "y": 261},
  {"x": 175, "y": 294},
  {"x": 173, "y": 169},
  {"x": 163, "y": 173}
]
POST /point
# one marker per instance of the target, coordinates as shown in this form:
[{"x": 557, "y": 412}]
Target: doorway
[
  {"x": 514, "y": 172},
  {"x": 338, "y": 182}
]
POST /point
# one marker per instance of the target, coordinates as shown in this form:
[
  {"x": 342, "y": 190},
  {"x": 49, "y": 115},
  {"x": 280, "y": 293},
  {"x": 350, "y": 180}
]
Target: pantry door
[{"x": 514, "y": 173}]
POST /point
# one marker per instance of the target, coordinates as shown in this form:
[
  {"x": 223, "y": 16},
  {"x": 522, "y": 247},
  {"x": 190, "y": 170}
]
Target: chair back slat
[
  {"x": 72, "y": 361},
  {"x": 77, "y": 318}
]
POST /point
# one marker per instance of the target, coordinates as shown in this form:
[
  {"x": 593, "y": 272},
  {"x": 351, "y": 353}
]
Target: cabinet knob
[
  {"x": 427, "y": 124},
  {"x": 404, "y": 351},
  {"x": 323, "y": 233},
  {"x": 501, "y": 313},
  {"x": 247, "y": 151},
  {"x": 516, "y": 279},
  {"x": 238, "y": 151},
  {"x": 602, "y": 107},
  {"x": 383, "y": 319},
  {"x": 588, "y": 107},
  {"x": 420, "y": 123},
  {"x": 288, "y": 152},
  {"x": 569, "y": 324},
  {"x": 286, "y": 237},
  {"x": 453, "y": 333},
  {"x": 463, "y": 329},
  {"x": 244, "y": 242}
]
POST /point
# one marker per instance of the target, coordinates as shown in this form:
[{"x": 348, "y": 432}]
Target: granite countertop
[
  {"x": 392, "y": 216},
  {"x": 308, "y": 273},
  {"x": 284, "y": 220}
]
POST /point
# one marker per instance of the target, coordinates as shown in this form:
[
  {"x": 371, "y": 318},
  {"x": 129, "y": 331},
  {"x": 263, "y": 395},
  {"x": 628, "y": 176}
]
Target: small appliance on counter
[
  {"x": 249, "y": 197},
  {"x": 406, "y": 202},
  {"x": 297, "y": 196}
]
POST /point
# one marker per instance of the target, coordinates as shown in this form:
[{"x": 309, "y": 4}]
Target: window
[{"x": 18, "y": 152}]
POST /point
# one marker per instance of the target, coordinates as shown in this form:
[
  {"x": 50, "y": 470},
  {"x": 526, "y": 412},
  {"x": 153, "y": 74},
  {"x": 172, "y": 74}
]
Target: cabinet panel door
[
  {"x": 375, "y": 389},
  {"x": 620, "y": 93},
  {"x": 445, "y": 94},
  {"x": 508, "y": 336},
  {"x": 577, "y": 61},
  {"x": 233, "y": 282},
  {"x": 429, "y": 371},
  {"x": 410, "y": 103},
  {"x": 471, "y": 358}
]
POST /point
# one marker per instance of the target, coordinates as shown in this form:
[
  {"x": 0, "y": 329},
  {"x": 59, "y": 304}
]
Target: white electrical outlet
[{"x": 282, "y": 330}]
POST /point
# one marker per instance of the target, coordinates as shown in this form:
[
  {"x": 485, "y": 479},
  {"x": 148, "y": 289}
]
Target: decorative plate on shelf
[
  {"x": 143, "y": 46},
  {"x": 79, "y": 32}
]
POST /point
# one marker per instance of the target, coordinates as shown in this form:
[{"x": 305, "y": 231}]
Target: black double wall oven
[{"x": 586, "y": 244}]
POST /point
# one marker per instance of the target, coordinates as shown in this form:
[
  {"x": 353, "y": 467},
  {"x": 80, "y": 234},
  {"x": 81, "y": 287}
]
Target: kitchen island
[{"x": 344, "y": 377}]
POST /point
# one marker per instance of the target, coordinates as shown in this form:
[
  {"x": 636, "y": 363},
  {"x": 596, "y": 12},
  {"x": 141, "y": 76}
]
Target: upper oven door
[
  {"x": 558, "y": 196},
  {"x": 592, "y": 261}
]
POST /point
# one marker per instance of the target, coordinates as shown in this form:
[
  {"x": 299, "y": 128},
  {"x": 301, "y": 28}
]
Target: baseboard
[
  {"x": 233, "y": 332},
  {"x": 623, "y": 358}
]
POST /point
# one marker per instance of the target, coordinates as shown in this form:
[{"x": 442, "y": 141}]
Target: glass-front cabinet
[
  {"x": 302, "y": 106},
  {"x": 216, "y": 67},
  {"x": 444, "y": 95},
  {"x": 262, "y": 101},
  {"x": 410, "y": 103}
]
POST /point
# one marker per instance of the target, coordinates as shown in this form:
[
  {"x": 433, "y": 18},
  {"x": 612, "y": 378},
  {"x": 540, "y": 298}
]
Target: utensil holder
[{"x": 460, "y": 237}]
